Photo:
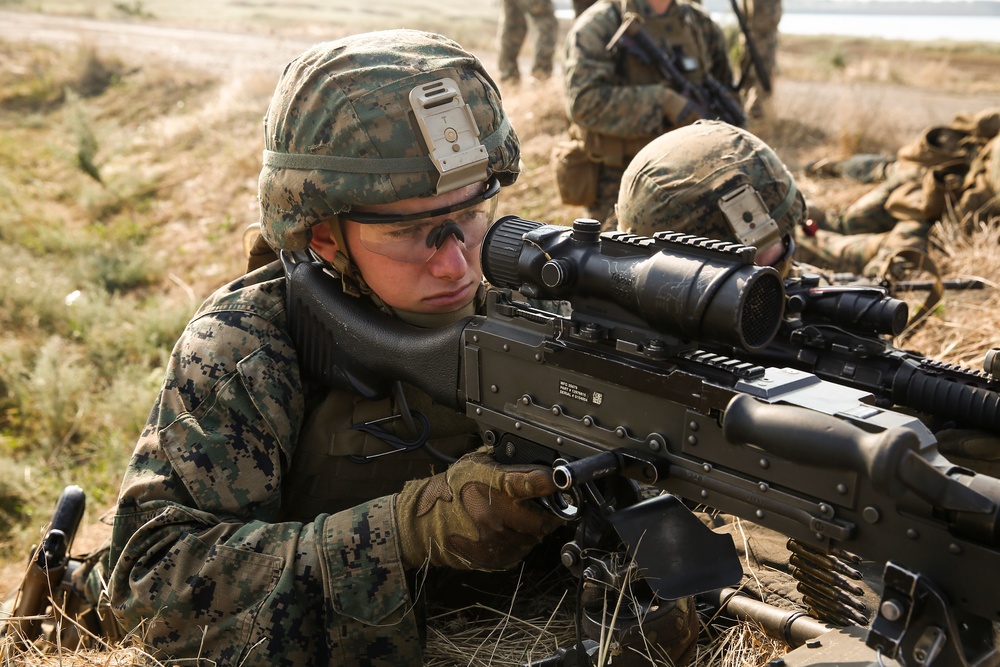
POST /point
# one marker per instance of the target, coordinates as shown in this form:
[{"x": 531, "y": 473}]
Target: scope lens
[
  {"x": 758, "y": 323},
  {"x": 860, "y": 310}
]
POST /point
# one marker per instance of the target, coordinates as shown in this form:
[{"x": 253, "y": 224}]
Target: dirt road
[
  {"x": 212, "y": 50},
  {"x": 904, "y": 108}
]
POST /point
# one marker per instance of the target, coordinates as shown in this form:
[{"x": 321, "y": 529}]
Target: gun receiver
[{"x": 622, "y": 389}]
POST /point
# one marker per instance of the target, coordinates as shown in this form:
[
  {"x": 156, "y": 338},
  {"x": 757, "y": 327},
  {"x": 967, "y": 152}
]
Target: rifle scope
[
  {"x": 865, "y": 310},
  {"x": 688, "y": 287}
]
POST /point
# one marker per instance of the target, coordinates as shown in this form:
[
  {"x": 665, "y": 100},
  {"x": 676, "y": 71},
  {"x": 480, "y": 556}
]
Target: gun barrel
[{"x": 968, "y": 405}]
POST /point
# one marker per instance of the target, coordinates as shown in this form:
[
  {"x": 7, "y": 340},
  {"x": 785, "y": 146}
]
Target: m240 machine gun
[{"x": 622, "y": 390}]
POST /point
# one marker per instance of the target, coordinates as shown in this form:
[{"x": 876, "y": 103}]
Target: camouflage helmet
[
  {"x": 710, "y": 179},
  {"x": 344, "y": 130}
]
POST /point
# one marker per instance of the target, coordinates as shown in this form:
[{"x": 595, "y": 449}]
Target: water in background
[{"x": 894, "y": 26}]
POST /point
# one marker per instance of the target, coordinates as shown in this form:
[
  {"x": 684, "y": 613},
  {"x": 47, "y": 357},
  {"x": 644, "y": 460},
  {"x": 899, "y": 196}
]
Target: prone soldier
[
  {"x": 265, "y": 518},
  {"x": 949, "y": 169}
]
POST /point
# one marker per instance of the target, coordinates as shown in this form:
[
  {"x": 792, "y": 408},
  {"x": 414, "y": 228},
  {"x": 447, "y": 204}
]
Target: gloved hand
[
  {"x": 677, "y": 109},
  {"x": 477, "y": 515}
]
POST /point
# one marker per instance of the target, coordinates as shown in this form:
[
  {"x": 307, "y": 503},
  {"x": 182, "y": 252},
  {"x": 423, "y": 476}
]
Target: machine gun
[
  {"x": 623, "y": 391},
  {"x": 711, "y": 99}
]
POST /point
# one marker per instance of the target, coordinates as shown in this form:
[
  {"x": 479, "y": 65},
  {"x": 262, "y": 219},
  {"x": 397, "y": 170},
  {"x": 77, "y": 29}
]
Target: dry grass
[
  {"x": 965, "y": 325},
  {"x": 178, "y": 150}
]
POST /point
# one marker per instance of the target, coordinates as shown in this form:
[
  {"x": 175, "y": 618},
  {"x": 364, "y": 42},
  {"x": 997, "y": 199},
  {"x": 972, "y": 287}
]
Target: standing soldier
[
  {"x": 617, "y": 102},
  {"x": 514, "y": 28},
  {"x": 763, "y": 19}
]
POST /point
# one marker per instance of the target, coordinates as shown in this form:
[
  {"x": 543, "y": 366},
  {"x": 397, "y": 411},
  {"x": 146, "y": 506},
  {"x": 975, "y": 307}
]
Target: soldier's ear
[{"x": 322, "y": 240}]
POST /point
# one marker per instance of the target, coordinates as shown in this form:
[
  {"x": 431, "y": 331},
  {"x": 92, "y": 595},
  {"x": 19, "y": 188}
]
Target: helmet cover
[
  {"x": 341, "y": 131},
  {"x": 679, "y": 182}
]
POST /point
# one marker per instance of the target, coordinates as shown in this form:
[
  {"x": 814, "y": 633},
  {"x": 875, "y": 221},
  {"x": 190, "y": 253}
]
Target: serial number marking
[{"x": 578, "y": 393}]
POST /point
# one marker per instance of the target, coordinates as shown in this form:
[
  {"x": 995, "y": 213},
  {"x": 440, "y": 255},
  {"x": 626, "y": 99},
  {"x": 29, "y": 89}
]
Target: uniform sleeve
[
  {"x": 596, "y": 94},
  {"x": 202, "y": 564}
]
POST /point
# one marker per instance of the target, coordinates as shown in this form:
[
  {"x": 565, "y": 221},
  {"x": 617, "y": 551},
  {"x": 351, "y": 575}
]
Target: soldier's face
[{"x": 445, "y": 282}]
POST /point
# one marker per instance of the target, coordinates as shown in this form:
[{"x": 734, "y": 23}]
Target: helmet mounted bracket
[
  {"x": 450, "y": 132},
  {"x": 748, "y": 217}
]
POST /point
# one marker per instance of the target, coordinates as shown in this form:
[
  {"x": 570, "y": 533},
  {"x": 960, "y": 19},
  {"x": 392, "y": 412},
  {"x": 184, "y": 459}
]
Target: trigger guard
[{"x": 558, "y": 504}]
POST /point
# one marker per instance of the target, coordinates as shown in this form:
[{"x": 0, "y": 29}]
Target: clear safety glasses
[{"x": 415, "y": 237}]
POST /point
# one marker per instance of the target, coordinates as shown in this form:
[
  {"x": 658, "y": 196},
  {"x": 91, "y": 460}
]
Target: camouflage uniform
[
  {"x": 947, "y": 166},
  {"x": 244, "y": 533},
  {"x": 617, "y": 104},
  {"x": 513, "y": 28}
]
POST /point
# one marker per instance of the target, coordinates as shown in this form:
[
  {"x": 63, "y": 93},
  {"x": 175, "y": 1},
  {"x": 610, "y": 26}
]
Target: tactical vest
[
  {"x": 326, "y": 475},
  {"x": 677, "y": 27}
]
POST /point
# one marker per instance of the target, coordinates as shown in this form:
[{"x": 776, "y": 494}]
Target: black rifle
[
  {"x": 710, "y": 99},
  {"x": 42, "y": 598},
  {"x": 894, "y": 287},
  {"x": 621, "y": 391},
  {"x": 763, "y": 75},
  {"x": 841, "y": 334}
]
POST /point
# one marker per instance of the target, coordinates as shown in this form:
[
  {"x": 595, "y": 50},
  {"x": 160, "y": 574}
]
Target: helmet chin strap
[{"x": 350, "y": 277}]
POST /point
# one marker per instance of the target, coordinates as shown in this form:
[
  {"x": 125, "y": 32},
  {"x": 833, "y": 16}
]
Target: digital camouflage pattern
[
  {"x": 198, "y": 545},
  {"x": 512, "y": 30},
  {"x": 350, "y": 98},
  {"x": 615, "y": 103},
  {"x": 675, "y": 182},
  {"x": 945, "y": 169},
  {"x": 212, "y": 555}
]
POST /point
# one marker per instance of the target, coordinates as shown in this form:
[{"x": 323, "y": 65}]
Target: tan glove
[
  {"x": 477, "y": 515},
  {"x": 677, "y": 109}
]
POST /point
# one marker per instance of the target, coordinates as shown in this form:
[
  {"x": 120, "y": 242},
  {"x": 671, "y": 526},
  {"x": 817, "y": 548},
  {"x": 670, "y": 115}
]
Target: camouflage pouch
[
  {"x": 936, "y": 146},
  {"x": 576, "y": 173},
  {"x": 924, "y": 200}
]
